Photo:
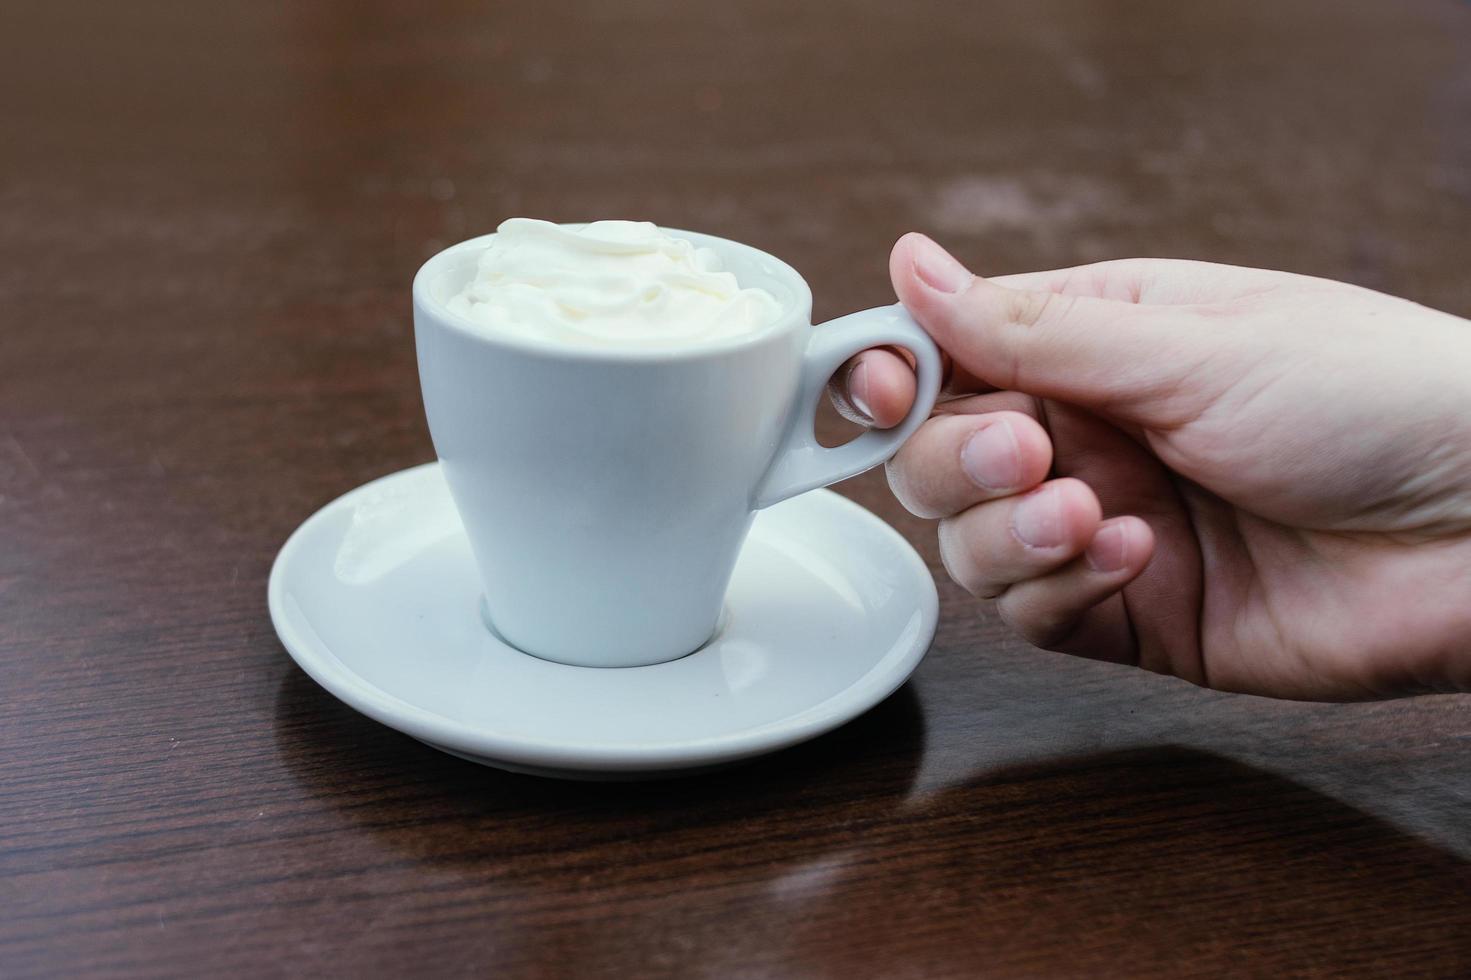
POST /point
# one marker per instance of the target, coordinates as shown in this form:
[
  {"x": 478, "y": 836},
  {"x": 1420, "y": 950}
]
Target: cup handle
[{"x": 801, "y": 463}]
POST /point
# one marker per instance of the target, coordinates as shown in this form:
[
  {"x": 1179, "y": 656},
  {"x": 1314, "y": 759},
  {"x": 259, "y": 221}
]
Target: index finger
[{"x": 874, "y": 388}]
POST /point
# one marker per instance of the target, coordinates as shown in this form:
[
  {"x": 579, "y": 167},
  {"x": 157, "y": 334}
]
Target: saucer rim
[{"x": 315, "y": 657}]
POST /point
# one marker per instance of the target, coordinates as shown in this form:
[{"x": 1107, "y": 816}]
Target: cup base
[{"x": 721, "y": 622}]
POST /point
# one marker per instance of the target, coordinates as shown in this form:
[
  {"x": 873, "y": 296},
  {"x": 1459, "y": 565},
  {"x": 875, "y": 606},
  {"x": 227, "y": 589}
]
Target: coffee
[{"x": 608, "y": 284}]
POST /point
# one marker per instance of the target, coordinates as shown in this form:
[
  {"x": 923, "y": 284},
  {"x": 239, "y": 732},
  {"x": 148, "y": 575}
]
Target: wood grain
[{"x": 209, "y": 217}]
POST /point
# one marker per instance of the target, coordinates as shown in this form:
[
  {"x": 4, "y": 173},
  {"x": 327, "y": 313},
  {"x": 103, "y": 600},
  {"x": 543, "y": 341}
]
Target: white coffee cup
[{"x": 606, "y": 491}]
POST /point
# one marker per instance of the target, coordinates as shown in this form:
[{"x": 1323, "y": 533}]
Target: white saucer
[{"x": 376, "y": 597}]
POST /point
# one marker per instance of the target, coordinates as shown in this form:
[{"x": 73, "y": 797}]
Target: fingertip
[
  {"x": 1034, "y": 449},
  {"x": 1005, "y": 452},
  {"x": 884, "y": 387},
  {"x": 875, "y": 388},
  {"x": 947, "y": 300},
  {"x": 1049, "y": 609},
  {"x": 901, "y": 257},
  {"x": 1121, "y": 545},
  {"x": 1080, "y": 507},
  {"x": 839, "y": 392},
  {"x": 1057, "y": 519},
  {"x": 1142, "y": 543},
  {"x": 921, "y": 301}
]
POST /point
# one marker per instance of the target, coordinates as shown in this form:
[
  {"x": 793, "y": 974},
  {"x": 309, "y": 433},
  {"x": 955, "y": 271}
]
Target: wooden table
[{"x": 209, "y": 217}]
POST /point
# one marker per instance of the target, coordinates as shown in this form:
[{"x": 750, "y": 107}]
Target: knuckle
[
  {"x": 966, "y": 559},
  {"x": 1027, "y": 308},
  {"x": 1014, "y": 314},
  {"x": 907, "y": 483},
  {"x": 955, "y": 557},
  {"x": 919, "y": 471}
]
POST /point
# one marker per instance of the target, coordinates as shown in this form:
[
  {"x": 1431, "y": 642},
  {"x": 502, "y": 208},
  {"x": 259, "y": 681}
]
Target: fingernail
[
  {"x": 1109, "y": 550},
  {"x": 858, "y": 389},
  {"x": 938, "y": 268},
  {"x": 1037, "y": 521},
  {"x": 992, "y": 458}
]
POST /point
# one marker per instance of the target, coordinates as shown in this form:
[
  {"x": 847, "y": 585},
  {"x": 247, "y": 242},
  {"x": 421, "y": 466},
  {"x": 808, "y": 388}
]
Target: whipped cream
[{"x": 609, "y": 283}]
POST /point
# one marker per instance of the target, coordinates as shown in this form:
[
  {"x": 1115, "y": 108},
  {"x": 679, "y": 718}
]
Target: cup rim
[{"x": 796, "y": 311}]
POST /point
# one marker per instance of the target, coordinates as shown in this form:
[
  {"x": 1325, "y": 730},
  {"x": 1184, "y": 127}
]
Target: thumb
[{"x": 1049, "y": 342}]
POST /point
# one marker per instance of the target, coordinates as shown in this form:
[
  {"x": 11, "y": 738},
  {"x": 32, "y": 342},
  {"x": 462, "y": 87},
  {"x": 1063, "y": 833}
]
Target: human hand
[{"x": 1253, "y": 480}]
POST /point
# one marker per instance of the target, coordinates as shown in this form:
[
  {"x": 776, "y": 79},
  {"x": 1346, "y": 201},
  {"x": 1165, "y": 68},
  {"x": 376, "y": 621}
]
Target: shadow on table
[
  {"x": 1166, "y": 860},
  {"x": 819, "y": 860}
]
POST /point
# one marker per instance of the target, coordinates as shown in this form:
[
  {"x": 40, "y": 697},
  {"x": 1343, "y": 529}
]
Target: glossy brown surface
[{"x": 209, "y": 217}]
